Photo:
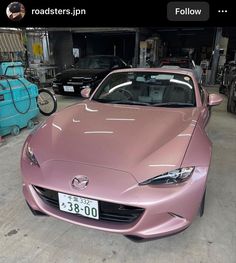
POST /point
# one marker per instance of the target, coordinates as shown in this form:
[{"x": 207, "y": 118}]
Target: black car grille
[
  {"x": 107, "y": 211},
  {"x": 77, "y": 81},
  {"x": 80, "y": 81}
]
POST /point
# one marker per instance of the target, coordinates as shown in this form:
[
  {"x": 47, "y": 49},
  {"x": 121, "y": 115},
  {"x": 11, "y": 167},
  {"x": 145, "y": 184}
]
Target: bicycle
[{"x": 46, "y": 100}]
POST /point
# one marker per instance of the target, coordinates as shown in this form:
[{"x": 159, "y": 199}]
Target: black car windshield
[
  {"x": 94, "y": 63},
  {"x": 147, "y": 89}
]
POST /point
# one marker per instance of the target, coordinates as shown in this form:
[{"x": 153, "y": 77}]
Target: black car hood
[{"x": 86, "y": 73}]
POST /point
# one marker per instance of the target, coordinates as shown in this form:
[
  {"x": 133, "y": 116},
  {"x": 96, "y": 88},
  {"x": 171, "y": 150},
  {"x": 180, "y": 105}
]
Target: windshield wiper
[
  {"x": 127, "y": 102},
  {"x": 140, "y": 103},
  {"x": 173, "y": 104}
]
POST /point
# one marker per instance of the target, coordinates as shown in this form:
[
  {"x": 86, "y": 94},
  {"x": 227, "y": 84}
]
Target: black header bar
[{"x": 83, "y": 13}]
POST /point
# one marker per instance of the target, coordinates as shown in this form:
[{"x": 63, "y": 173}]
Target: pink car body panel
[{"x": 118, "y": 147}]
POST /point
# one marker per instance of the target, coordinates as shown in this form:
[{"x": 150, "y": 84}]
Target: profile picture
[{"x": 15, "y": 11}]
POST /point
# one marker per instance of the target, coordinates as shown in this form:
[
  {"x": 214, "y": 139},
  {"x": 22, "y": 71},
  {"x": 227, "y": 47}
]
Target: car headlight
[
  {"x": 31, "y": 156},
  {"x": 173, "y": 177}
]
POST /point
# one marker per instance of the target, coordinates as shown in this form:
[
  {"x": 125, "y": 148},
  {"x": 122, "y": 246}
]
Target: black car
[{"x": 87, "y": 72}]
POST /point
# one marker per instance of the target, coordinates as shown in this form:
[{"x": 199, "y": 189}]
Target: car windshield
[
  {"x": 147, "y": 89},
  {"x": 94, "y": 63}
]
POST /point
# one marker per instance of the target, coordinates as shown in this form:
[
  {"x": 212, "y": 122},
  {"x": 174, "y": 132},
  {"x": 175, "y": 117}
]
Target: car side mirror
[
  {"x": 85, "y": 93},
  {"x": 214, "y": 99}
]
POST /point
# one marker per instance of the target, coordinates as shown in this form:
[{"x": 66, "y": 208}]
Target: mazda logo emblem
[{"x": 80, "y": 182}]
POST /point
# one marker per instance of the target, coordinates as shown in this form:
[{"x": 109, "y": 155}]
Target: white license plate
[
  {"x": 68, "y": 88},
  {"x": 78, "y": 205}
]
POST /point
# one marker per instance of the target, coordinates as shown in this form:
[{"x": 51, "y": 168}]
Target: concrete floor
[{"x": 212, "y": 238}]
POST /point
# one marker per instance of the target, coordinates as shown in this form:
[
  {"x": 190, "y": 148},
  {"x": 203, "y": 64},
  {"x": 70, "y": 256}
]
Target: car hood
[
  {"x": 143, "y": 141},
  {"x": 77, "y": 72}
]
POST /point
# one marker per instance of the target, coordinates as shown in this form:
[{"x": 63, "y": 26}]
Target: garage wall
[
  {"x": 121, "y": 45},
  {"x": 61, "y": 45}
]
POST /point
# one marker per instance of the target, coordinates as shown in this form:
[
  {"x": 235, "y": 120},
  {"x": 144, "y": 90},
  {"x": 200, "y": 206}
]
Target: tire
[
  {"x": 231, "y": 103},
  {"x": 15, "y": 130},
  {"x": 47, "y": 102}
]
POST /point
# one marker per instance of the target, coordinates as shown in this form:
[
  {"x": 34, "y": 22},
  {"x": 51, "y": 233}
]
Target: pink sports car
[{"x": 131, "y": 159}]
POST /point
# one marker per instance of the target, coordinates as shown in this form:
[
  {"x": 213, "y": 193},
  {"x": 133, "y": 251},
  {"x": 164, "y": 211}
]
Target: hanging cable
[{"x": 12, "y": 95}]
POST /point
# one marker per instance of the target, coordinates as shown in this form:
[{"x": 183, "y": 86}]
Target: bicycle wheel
[{"x": 47, "y": 102}]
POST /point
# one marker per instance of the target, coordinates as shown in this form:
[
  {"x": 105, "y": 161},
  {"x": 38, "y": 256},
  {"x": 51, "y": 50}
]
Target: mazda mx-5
[{"x": 132, "y": 158}]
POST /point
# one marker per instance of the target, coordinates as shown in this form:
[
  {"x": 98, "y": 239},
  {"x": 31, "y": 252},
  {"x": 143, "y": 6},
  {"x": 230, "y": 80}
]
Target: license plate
[
  {"x": 78, "y": 205},
  {"x": 68, "y": 88}
]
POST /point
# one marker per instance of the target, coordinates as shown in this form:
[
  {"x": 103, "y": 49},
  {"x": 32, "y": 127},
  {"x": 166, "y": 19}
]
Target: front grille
[
  {"x": 80, "y": 81},
  {"x": 107, "y": 211},
  {"x": 75, "y": 82},
  {"x": 84, "y": 79}
]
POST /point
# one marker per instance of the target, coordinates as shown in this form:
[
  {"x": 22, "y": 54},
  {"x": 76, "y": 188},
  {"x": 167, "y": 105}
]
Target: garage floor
[{"x": 25, "y": 238}]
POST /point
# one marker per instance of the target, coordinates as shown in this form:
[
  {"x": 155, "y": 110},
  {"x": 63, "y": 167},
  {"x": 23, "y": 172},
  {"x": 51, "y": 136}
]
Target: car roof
[{"x": 183, "y": 71}]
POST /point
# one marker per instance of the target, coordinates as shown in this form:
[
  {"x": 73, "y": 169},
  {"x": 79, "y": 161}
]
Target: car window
[
  {"x": 147, "y": 88},
  {"x": 115, "y": 62},
  {"x": 118, "y": 62},
  {"x": 94, "y": 63}
]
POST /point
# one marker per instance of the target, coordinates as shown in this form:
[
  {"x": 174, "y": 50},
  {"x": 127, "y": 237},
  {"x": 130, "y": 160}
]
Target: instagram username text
[{"x": 56, "y": 11}]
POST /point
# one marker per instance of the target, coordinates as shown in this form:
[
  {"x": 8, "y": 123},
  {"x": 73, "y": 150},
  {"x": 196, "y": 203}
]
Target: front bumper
[
  {"x": 59, "y": 89},
  {"x": 167, "y": 209}
]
